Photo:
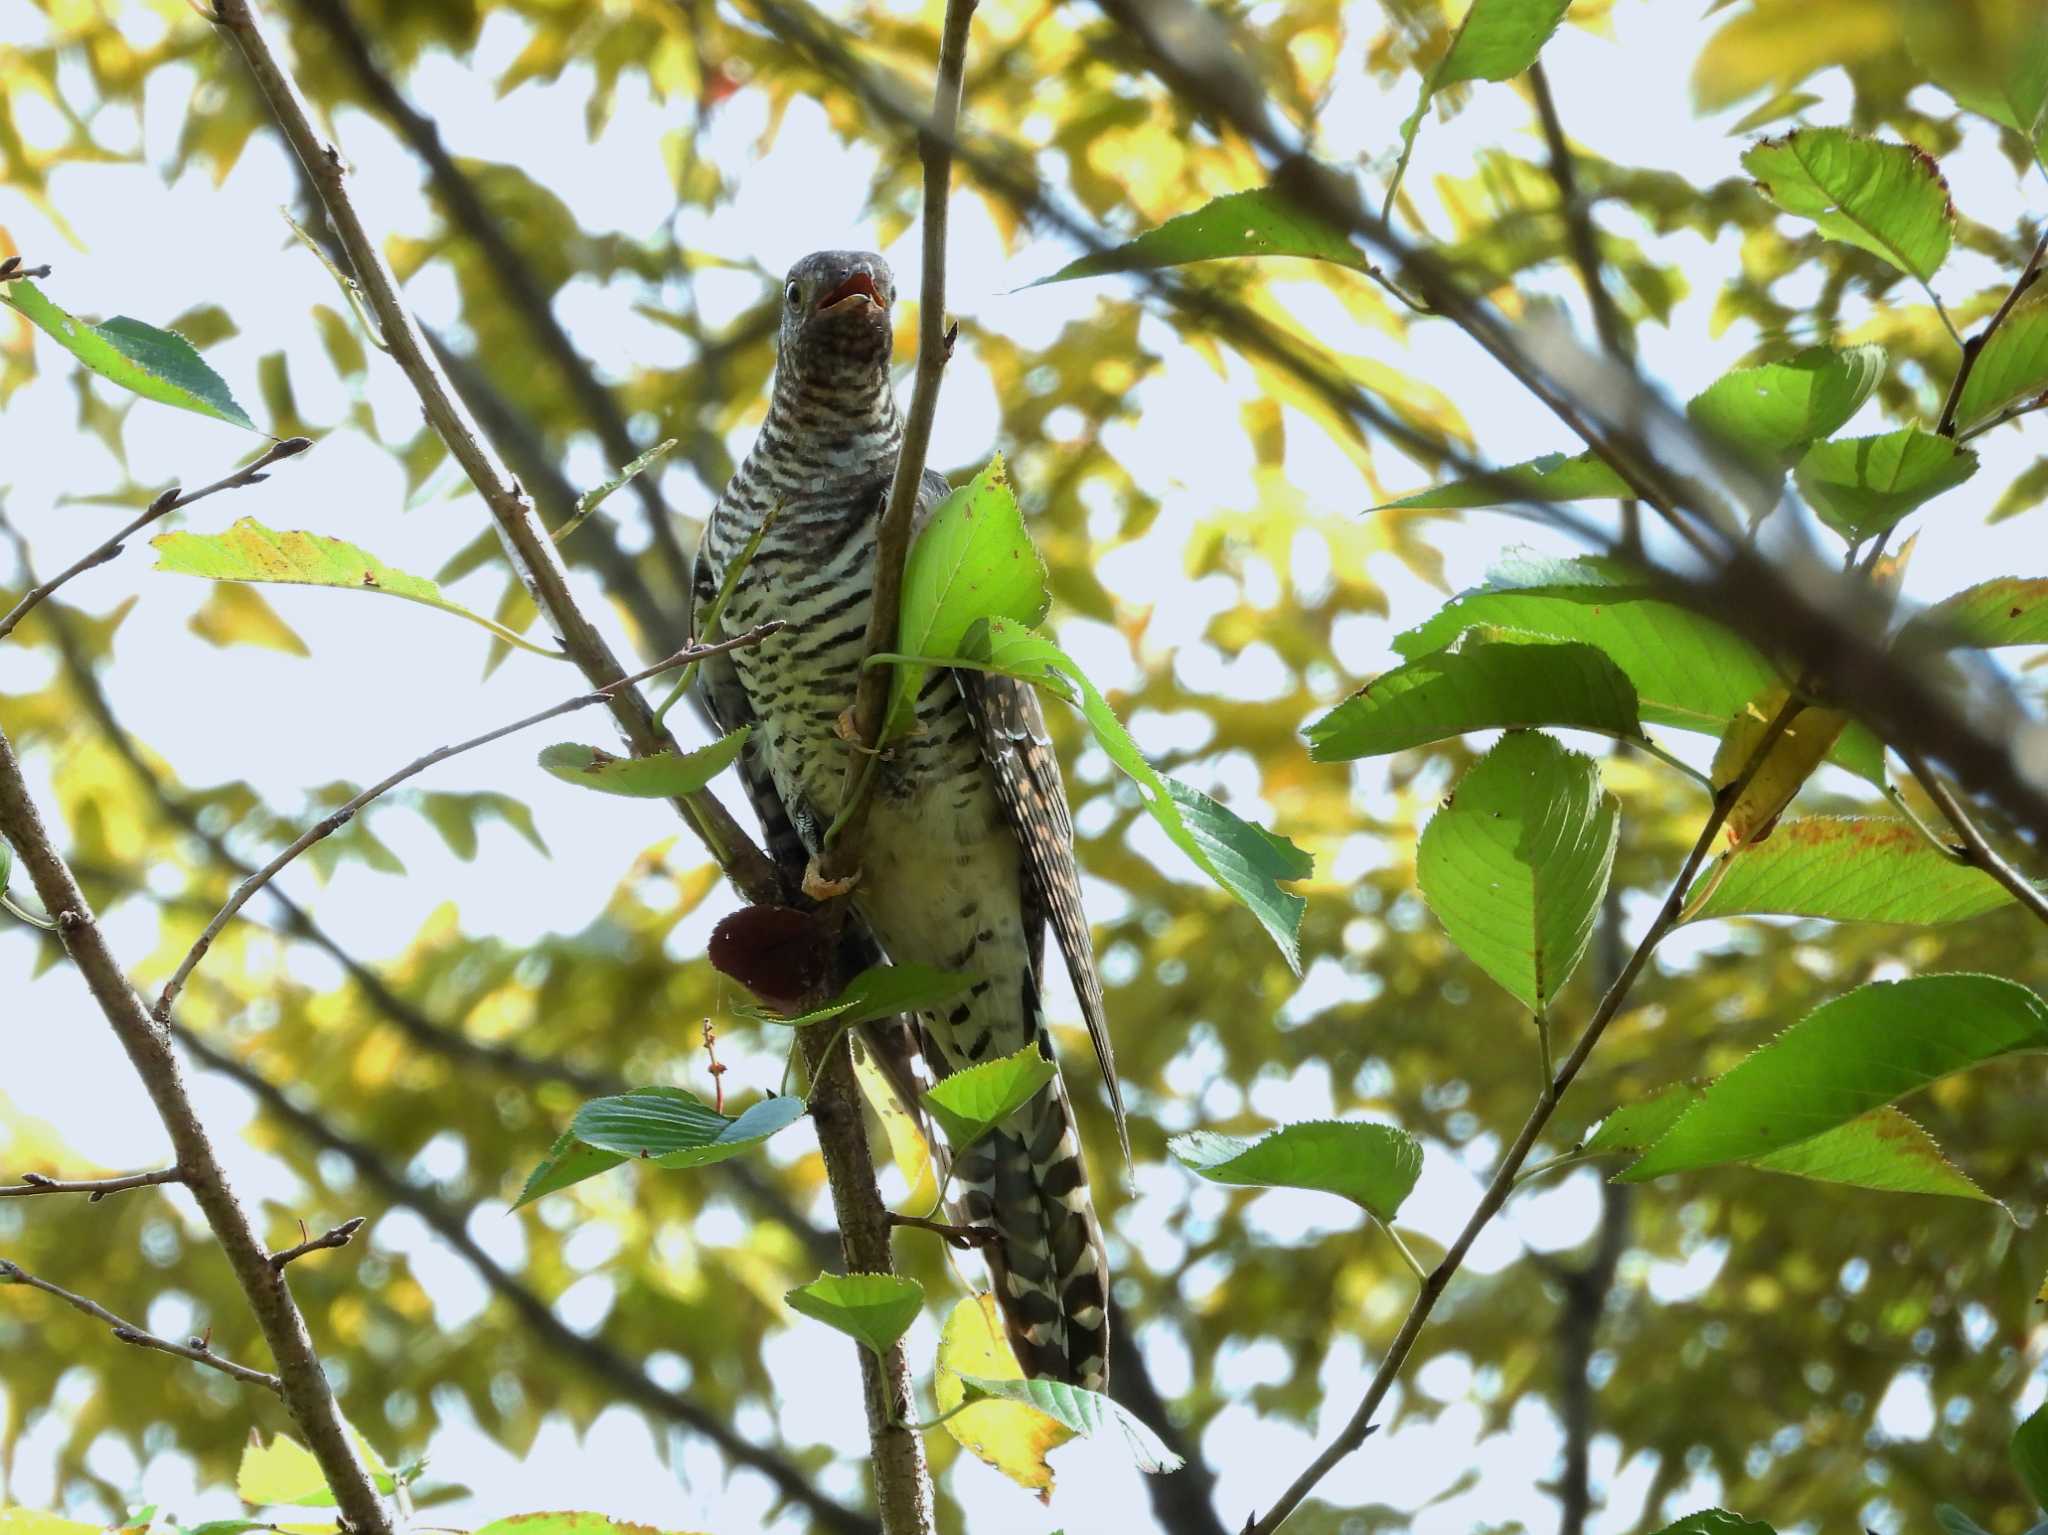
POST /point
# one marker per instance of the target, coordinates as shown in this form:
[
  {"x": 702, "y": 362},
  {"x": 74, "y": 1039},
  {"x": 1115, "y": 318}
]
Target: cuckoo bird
[{"x": 968, "y": 852}]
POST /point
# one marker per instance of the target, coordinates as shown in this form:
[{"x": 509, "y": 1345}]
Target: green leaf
[
  {"x": 1992, "y": 58},
  {"x": 672, "y": 1128},
  {"x": 968, "y": 1104},
  {"x": 1262, "y": 222},
  {"x": 1689, "y": 672},
  {"x": 1082, "y": 1411},
  {"x": 1845, "y": 869},
  {"x": 284, "y": 1472},
  {"x": 249, "y": 551},
  {"x": 1552, "y": 477},
  {"x": 568, "y": 1162},
  {"x": 662, "y": 1125},
  {"x": 1784, "y": 104},
  {"x": 873, "y": 1309},
  {"x": 880, "y": 991},
  {"x": 1774, "y": 411},
  {"x": 1373, "y": 1166},
  {"x": 1888, "y": 199},
  {"x": 974, "y": 560},
  {"x": 1854, "y": 1054},
  {"x": 2013, "y": 365},
  {"x": 2011, "y": 610},
  {"x": 1862, "y": 486},
  {"x": 1882, "y": 1150},
  {"x": 159, "y": 365},
  {"x": 1717, "y": 1521},
  {"x": 2030, "y": 1454},
  {"x": 1955, "y": 1522},
  {"x": 1515, "y": 863},
  {"x": 665, "y": 775},
  {"x": 592, "y": 499},
  {"x": 1497, "y": 40},
  {"x": 1248, "y": 861},
  {"x": 1479, "y": 686}
]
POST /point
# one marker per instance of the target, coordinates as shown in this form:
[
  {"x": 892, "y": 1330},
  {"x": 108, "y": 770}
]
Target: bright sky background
[{"x": 388, "y": 680}]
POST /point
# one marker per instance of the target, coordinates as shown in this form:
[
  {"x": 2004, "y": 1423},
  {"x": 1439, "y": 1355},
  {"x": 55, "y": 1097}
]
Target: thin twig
[
  {"x": 95, "y": 1189},
  {"x": 1978, "y": 852},
  {"x": 338, "y": 1236},
  {"x": 1504, "y": 1176},
  {"x": 333, "y": 822},
  {"x": 962, "y": 1237},
  {"x": 12, "y": 268},
  {"x": 539, "y": 563},
  {"x": 170, "y": 501},
  {"x": 301, "y": 1382},
  {"x": 197, "y": 1350},
  {"x": 1974, "y": 347},
  {"x": 840, "y": 861}
]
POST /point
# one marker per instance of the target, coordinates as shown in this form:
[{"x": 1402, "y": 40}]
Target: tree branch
[
  {"x": 170, "y": 501},
  {"x": 1502, "y": 1184},
  {"x": 522, "y": 291},
  {"x": 1580, "y": 236},
  {"x": 590, "y": 1354},
  {"x": 1974, "y": 347},
  {"x": 532, "y": 552},
  {"x": 329, "y": 824},
  {"x": 1977, "y": 852},
  {"x": 300, "y": 1381},
  {"x": 128, "y": 1332},
  {"x": 339, "y": 1236},
  {"x": 840, "y": 859},
  {"x": 95, "y": 1189}
]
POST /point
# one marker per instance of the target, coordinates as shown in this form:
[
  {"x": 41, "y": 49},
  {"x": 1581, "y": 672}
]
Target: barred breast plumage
[{"x": 968, "y": 853}]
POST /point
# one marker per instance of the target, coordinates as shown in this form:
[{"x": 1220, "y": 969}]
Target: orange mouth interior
[{"x": 859, "y": 284}]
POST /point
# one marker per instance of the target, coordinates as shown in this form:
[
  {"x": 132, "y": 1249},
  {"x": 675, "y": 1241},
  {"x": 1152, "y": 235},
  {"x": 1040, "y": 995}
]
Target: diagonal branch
[
  {"x": 197, "y": 1351},
  {"x": 329, "y": 824},
  {"x": 1502, "y": 1184},
  {"x": 533, "y": 553},
  {"x": 170, "y": 501},
  {"x": 1974, "y": 347},
  {"x": 591, "y": 1354},
  {"x": 1977, "y": 851},
  {"x": 301, "y": 1383},
  {"x": 458, "y": 195}
]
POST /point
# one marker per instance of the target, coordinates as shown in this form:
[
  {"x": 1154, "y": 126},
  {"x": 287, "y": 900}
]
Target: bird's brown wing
[{"x": 1026, "y": 774}]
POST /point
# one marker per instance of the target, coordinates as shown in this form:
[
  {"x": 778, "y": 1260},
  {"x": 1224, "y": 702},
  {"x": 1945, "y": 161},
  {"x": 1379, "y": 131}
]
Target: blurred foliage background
[{"x": 1826, "y": 1358}]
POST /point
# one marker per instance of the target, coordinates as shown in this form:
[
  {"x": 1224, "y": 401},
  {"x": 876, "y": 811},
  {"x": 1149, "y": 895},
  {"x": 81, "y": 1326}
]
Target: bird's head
[{"x": 835, "y": 318}]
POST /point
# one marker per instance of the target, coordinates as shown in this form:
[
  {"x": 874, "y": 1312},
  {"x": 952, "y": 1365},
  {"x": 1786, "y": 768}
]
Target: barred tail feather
[{"x": 1027, "y": 1180}]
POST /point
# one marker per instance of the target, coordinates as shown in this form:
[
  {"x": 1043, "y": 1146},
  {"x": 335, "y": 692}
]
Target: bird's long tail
[{"x": 1027, "y": 1180}]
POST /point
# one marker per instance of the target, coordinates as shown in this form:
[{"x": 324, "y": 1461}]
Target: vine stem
[{"x": 1360, "y": 1423}]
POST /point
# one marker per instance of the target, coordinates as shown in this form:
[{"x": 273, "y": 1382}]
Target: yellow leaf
[
  {"x": 1790, "y": 762},
  {"x": 285, "y": 1472},
  {"x": 33, "y": 1521},
  {"x": 234, "y": 614},
  {"x": 907, "y": 1143},
  {"x": 1010, "y": 1436},
  {"x": 282, "y": 1471},
  {"x": 1778, "y": 43}
]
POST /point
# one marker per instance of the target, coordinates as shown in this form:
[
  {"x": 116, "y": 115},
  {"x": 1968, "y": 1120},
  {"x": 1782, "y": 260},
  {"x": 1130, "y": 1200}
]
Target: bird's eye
[{"x": 790, "y": 294}]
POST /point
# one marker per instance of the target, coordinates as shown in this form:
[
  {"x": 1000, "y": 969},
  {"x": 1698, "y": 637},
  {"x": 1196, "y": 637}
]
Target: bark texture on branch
[{"x": 301, "y": 1383}]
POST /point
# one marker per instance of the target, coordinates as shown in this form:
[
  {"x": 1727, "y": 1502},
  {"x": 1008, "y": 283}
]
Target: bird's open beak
[{"x": 857, "y": 291}]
